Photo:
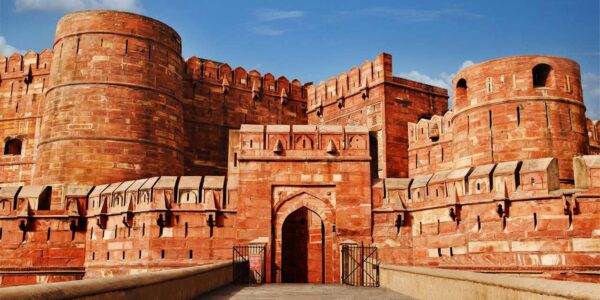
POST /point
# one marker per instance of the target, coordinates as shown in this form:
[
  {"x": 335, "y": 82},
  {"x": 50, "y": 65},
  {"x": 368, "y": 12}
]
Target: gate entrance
[
  {"x": 303, "y": 259},
  {"x": 249, "y": 264},
  {"x": 360, "y": 266}
]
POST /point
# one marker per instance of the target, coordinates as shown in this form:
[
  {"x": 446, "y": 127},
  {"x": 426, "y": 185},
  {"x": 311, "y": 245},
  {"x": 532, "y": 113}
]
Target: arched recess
[
  {"x": 321, "y": 208},
  {"x": 460, "y": 93},
  {"x": 13, "y": 146},
  {"x": 543, "y": 76}
]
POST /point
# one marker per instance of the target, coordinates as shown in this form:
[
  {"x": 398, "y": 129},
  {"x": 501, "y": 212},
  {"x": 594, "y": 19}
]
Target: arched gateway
[{"x": 304, "y": 248}]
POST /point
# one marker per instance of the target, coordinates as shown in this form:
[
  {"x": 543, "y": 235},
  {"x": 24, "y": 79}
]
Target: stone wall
[
  {"x": 324, "y": 169},
  {"x": 507, "y": 217},
  {"x": 183, "y": 283},
  {"x": 113, "y": 109},
  {"x": 371, "y": 96},
  {"x": 451, "y": 284},
  {"x": 24, "y": 80},
  {"x": 218, "y": 98},
  {"x": 158, "y": 223},
  {"x": 42, "y": 240}
]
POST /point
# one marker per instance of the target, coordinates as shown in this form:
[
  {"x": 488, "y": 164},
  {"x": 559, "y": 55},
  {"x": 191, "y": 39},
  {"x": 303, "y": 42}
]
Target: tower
[
  {"x": 113, "y": 108},
  {"x": 518, "y": 108}
]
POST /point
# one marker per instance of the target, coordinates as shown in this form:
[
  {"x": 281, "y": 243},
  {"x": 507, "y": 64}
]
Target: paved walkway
[{"x": 289, "y": 291}]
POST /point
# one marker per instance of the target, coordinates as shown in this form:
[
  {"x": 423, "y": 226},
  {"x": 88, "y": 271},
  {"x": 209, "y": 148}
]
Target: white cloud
[
  {"x": 266, "y": 30},
  {"x": 267, "y": 15},
  {"x": 73, "y": 5},
  {"x": 5, "y": 48},
  {"x": 266, "y": 18},
  {"x": 411, "y": 15},
  {"x": 443, "y": 80},
  {"x": 440, "y": 81},
  {"x": 591, "y": 94},
  {"x": 465, "y": 64}
]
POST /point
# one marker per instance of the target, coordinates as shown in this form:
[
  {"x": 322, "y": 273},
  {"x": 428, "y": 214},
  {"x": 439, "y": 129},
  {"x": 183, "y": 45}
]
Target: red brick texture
[
  {"x": 371, "y": 96},
  {"x": 122, "y": 157},
  {"x": 112, "y": 75},
  {"x": 504, "y": 115}
]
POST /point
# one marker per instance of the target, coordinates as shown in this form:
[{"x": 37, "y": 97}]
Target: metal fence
[
  {"x": 360, "y": 266},
  {"x": 249, "y": 264}
]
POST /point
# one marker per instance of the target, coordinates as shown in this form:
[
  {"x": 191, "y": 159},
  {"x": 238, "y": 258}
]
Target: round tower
[
  {"x": 518, "y": 108},
  {"x": 113, "y": 108}
]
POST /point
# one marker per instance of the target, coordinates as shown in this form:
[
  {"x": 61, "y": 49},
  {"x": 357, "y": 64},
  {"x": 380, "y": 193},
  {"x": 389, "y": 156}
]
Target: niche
[
  {"x": 13, "y": 147},
  {"x": 543, "y": 75},
  {"x": 461, "y": 92}
]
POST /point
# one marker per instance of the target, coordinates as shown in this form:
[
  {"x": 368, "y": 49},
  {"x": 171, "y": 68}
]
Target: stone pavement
[{"x": 291, "y": 291}]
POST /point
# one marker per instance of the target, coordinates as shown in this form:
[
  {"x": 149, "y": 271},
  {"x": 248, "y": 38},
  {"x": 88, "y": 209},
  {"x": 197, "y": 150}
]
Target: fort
[{"x": 122, "y": 157}]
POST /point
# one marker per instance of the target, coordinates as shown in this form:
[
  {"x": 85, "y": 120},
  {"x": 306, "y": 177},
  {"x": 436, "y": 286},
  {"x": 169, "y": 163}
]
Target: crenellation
[{"x": 121, "y": 157}]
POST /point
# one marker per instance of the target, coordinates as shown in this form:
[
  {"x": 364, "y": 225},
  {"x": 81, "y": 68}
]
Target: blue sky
[{"x": 312, "y": 40}]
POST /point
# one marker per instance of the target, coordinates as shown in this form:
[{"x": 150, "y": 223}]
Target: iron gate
[
  {"x": 249, "y": 264},
  {"x": 360, "y": 266}
]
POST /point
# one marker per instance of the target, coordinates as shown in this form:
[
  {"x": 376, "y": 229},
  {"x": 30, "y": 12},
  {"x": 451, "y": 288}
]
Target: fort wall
[
  {"x": 113, "y": 109},
  {"x": 24, "y": 79},
  {"x": 218, "y": 98},
  {"x": 521, "y": 107},
  {"x": 371, "y": 96},
  {"x": 498, "y": 218},
  {"x": 115, "y": 161}
]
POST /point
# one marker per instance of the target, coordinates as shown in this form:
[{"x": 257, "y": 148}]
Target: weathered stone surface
[{"x": 122, "y": 157}]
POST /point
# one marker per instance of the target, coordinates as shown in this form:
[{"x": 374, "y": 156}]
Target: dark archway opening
[
  {"x": 460, "y": 93},
  {"x": 302, "y": 251},
  {"x": 13, "y": 147},
  {"x": 542, "y": 76}
]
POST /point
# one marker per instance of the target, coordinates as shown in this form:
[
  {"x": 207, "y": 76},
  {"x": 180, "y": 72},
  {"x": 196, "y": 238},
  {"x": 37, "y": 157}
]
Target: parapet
[
  {"x": 428, "y": 131},
  {"x": 587, "y": 172},
  {"x": 228, "y": 78},
  {"x": 593, "y": 130},
  {"x": 157, "y": 194},
  {"x": 19, "y": 66},
  {"x": 540, "y": 175},
  {"x": 270, "y": 141},
  {"x": 30, "y": 201},
  {"x": 357, "y": 80},
  {"x": 529, "y": 178}
]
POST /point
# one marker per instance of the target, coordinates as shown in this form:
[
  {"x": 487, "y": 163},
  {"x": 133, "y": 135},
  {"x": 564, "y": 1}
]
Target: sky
[{"x": 313, "y": 40}]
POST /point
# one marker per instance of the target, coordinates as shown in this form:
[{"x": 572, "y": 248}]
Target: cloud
[
  {"x": 266, "y": 30},
  {"x": 443, "y": 80},
  {"x": 465, "y": 64},
  {"x": 268, "y": 15},
  {"x": 591, "y": 94},
  {"x": 440, "y": 81},
  {"x": 5, "y": 48},
  {"x": 265, "y": 21},
  {"x": 412, "y": 15},
  {"x": 73, "y": 5}
]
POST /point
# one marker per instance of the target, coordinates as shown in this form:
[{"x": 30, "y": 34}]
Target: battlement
[
  {"x": 593, "y": 130},
  {"x": 31, "y": 200},
  {"x": 428, "y": 131},
  {"x": 357, "y": 80},
  {"x": 223, "y": 75},
  {"x": 160, "y": 194},
  {"x": 302, "y": 141},
  {"x": 514, "y": 179},
  {"x": 30, "y": 64}
]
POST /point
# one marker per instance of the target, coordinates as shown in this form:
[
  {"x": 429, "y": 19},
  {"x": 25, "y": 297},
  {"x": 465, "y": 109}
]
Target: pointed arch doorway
[
  {"x": 303, "y": 251},
  {"x": 303, "y": 229}
]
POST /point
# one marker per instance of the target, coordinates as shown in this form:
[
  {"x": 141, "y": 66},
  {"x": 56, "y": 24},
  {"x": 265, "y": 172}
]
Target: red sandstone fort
[{"x": 122, "y": 157}]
